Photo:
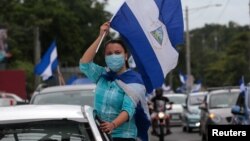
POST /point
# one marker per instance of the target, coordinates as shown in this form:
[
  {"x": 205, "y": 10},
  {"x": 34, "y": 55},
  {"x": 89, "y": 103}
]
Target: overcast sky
[{"x": 230, "y": 10}]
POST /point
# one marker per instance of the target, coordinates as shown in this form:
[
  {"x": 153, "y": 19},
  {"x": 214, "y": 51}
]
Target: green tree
[{"x": 73, "y": 24}]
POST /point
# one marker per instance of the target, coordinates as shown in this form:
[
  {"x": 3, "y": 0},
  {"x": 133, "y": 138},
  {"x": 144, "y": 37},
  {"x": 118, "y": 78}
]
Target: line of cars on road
[
  {"x": 185, "y": 111},
  {"x": 193, "y": 111},
  {"x": 224, "y": 106},
  {"x": 216, "y": 109}
]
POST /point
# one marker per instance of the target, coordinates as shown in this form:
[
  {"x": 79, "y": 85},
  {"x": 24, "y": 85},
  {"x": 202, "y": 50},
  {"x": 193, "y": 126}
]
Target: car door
[{"x": 94, "y": 124}]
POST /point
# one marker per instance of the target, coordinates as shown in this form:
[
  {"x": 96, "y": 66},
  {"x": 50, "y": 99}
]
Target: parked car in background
[
  {"x": 191, "y": 111},
  {"x": 49, "y": 123},
  {"x": 10, "y": 99},
  {"x": 216, "y": 109},
  {"x": 175, "y": 113},
  {"x": 241, "y": 110},
  {"x": 67, "y": 94}
]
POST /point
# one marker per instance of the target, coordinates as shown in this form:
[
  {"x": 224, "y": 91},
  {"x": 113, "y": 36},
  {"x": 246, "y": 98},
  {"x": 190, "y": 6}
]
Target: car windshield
[
  {"x": 196, "y": 99},
  {"x": 81, "y": 97},
  {"x": 223, "y": 100},
  {"x": 177, "y": 99},
  {"x": 52, "y": 130}
]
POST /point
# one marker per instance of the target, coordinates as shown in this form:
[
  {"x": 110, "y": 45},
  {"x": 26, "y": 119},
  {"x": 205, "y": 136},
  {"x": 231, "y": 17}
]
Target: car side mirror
[{"x": 236, "y": 110}]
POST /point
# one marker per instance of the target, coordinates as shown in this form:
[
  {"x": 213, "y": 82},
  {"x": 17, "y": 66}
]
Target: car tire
[
  {"x": 204, "y": 137},
  {"x": 184, "y": 128},
  {"x": 189, "y": 130}
]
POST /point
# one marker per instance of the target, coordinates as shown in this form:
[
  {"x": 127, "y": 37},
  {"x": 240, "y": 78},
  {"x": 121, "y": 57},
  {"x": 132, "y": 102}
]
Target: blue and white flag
[
  {"x": 131, "y": 62},
  {"x": 132, "y": 84},
  {"x": 152, "y": 29},
  {"x": 196, "y": 87},
  {"x": 48, "y": 63},
  {"x": 242, "y": 84},
  {"x": 183, "y": 78}
]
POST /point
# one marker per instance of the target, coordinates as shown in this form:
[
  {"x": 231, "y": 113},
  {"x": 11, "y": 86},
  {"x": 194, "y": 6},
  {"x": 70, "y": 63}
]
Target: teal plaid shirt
[{"x": 110, "y": 100}]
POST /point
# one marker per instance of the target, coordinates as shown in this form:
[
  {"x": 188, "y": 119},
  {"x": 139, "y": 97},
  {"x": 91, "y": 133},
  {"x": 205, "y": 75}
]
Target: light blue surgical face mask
[{"x": 115, "y": 61}]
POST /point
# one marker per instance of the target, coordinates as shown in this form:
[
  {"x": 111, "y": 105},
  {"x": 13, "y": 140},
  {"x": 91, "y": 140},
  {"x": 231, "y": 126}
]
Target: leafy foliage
[
  {"x": 220, "y": 54},
  {"x": 73, "y": 24}
]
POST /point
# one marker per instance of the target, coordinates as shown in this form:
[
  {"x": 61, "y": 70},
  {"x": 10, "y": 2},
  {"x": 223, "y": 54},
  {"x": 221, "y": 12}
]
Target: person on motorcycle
[{"x": 158, "y": 104}]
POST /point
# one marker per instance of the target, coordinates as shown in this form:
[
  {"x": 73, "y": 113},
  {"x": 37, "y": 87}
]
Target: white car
[
  {"x": 50, "y": 123},
  {"x": 176, "y": 112},
  {"x": 67, "y": 94},
  {"x": 191, "y": 111},
  {"x": 9, "y": 99}
]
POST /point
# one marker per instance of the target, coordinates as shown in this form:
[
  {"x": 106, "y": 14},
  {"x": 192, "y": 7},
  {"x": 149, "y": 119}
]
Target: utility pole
[
  {"x": 188, "y": 61},
  {"x": 190, "y": 78},
  {"x": 37, "y": 51},
  {"x": 249, "y": 13}
]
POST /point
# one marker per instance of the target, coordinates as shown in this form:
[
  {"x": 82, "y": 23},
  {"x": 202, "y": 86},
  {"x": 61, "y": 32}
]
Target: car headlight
[
  {"x": 214, "y": 117},
  {"x": 161, "y": 114},
  {"x": 197, "y": 124}
]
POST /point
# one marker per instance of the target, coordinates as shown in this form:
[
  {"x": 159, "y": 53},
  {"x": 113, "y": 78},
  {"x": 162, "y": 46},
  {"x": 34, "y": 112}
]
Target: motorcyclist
[{"x": 158, "y": 104}]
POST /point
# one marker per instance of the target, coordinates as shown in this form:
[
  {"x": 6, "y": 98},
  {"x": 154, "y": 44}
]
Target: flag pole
[
  {"x": 106, "y": 32},
  {"x": 100, "y": 42},
  {"x": 60, "y": 77}
]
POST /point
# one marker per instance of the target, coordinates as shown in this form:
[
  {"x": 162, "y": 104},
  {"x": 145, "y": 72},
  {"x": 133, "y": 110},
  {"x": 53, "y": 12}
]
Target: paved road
[{"x": 179, "y": 135}]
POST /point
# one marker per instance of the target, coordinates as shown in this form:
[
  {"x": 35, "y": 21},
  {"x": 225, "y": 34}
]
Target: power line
[{"x": 223, "y": 10}]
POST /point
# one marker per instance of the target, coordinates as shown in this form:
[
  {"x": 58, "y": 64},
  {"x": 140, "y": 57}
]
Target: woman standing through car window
[{"x": 113, "y": 105}]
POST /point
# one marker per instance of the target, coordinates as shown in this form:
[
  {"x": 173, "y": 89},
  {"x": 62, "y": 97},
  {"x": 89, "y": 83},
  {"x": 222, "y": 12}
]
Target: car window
[
  {"x": 83, "y": 97},
  {"x": 223, "y": 100},
  {"x": 196, "y": 99},
  {"x": 52, "y": 130},
  {"x": 177, "y": 99}
]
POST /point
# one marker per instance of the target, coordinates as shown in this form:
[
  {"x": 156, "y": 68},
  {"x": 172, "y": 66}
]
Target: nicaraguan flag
[
  {"x": 242, "y": 84},
  {"x": 48, "y": 62},
  {"x": 132, "y": 83},
  {"x": 196, "y": 87},
  {"x": 183, "y": 78},
  {"x": 152, "y": 29}
]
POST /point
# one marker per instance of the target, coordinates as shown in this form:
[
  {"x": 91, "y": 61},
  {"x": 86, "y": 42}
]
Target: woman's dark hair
[
  {"x": 159, "y": 91},
  {"x": 118, "y": 41}
]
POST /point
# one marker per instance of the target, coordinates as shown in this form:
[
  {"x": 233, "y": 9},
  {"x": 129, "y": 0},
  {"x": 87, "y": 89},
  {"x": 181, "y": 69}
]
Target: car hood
[
  {"x": 176, "y": 108},
  {"x": 223, "y": 112},
  {"x": 194, "y": 109}
]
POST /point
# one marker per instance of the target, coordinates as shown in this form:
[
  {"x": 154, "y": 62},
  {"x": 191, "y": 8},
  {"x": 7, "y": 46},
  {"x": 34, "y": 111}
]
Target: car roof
[
  {"x": 22, "y": 113},
  {"x": 223, "y": 91},
  {"x": 68, "y": 88},
  {"x": 198, "y": 93},
  {"x": 175, "y": 95},
  {"x": 12, "y": 95}
]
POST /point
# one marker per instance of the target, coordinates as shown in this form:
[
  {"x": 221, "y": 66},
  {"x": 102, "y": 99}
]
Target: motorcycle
[{"x": 160, "y": 121}]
